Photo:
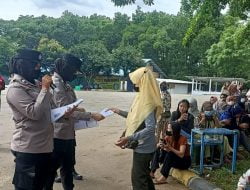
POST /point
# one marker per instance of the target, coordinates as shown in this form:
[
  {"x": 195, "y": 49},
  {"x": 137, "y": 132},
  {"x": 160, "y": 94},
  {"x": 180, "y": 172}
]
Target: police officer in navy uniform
[{"x": 32, "y": 141}]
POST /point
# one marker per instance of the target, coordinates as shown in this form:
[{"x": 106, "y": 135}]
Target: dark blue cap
[{"x": 29, "y": 54}]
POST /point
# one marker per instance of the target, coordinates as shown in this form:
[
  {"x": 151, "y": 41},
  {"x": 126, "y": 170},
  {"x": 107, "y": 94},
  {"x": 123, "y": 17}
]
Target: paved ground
[{"x": 104, "y": 166}]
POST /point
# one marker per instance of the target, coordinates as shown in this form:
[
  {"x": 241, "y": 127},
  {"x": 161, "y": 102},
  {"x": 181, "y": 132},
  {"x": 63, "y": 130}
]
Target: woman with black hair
[
  {"x": 172, "y": 152},
  {"x": 182, "y": 117}
]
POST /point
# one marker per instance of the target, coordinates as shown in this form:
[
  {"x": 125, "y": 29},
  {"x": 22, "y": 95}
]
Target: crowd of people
[
  {"x": 41, "y": 147},
  {"x": 230, "y": 111}
]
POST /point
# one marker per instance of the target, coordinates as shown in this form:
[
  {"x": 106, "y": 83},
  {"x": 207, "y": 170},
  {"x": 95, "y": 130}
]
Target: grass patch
[{"x": 224, "y": 178}]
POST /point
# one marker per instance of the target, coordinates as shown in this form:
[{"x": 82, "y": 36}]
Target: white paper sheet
[
  {"x": 57, "y": 113},
  {"x": 82, "y": 124},
  {"x": 106, "y": 113}
]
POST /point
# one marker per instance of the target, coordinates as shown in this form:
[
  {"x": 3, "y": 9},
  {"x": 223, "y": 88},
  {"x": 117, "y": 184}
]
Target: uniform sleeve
[
  {"x": 77, "y": 115},
  {"x": 149, "y": 129},
  {"x": 26, "y": 105},
  {"x": 123, "y": 113},
  {"x": 61, "y": 99}
]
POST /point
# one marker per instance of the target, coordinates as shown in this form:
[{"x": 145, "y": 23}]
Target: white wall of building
[{"x": 179, "y": 89}]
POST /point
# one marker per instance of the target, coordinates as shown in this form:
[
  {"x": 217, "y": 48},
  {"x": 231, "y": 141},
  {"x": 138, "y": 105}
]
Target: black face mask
[
  {"x": 37, "y": 74},
  {"x": 136, "y": 89},
  {"x": 169, "y": 133},
  {"x": 27, "y": 71},
  {"x": 67, "y": 76},
  {"x": 68, "y": 73}
]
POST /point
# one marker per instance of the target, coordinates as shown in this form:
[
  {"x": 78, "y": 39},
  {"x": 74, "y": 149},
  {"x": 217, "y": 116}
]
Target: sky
[{"x": 12, "y": 9}]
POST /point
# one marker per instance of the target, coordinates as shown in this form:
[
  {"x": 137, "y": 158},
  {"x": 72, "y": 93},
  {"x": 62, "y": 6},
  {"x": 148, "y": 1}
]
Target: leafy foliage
[
  {"x": 129, "y": 2},
  {"x": 232, "y": 52},
  {"x": 107, "y": 45},
  {"x": 7, "y": 50},
  {"x": 126, "y": 58}
]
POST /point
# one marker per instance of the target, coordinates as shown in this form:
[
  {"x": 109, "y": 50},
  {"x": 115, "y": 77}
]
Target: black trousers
[
  {"x": 63, "y": 158},
  {"x": 141, "y": 179},
  {"x": 158, "y": 159},
  {"x": 169, "y": 160},
  {"x": 31, "y": 170},
  {"x": 74, "y": 154}
]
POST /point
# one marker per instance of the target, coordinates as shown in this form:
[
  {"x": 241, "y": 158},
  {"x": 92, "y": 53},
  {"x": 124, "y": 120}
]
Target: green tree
[
  {"x": 126, "y": 58},
  {"x": 231, "y": 55},
  {"x": 208, "y": 12},
  {"x": 95, "y": 56},
  {"x": 111, "y": 33},
  {"x": 202, "y": 12},
  {"x": 65, "y": 29},
  {"x": 51, "y": 49},
  {"x": 7, "y": 51},
  {"x": 129, "y": 2},
  {"x": 198, "y": 48}
]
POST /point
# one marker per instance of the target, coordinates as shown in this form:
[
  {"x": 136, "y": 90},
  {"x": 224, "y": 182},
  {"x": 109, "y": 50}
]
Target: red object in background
[{"x": 2, "y": 83}]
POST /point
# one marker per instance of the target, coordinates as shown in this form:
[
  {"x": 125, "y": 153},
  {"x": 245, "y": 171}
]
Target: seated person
[
  {"x": 228, "y": 119},
  {"x": 209, "y": 119},
  {"x": 182, "y": 117},
  {"x": 214, "y": 100},
  {"x": 247, "y": 104},
  {"x": 159, "y": 154},
  {"x": 172, "y": 152},
  {"x": 244, "y": 124},
  {"x": 233, "y": 90},
  {"x": 244, "y": 127},
  {"x": 221, "y": 103},
  {"x": 193, "y": 107}
]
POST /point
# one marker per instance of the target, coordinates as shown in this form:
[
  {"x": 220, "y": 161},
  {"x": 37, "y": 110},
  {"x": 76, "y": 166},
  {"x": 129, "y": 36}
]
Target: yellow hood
[{"x": 146, "y": 101}]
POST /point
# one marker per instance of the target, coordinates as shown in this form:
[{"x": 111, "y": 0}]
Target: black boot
[{"x": 76, "y": 175}]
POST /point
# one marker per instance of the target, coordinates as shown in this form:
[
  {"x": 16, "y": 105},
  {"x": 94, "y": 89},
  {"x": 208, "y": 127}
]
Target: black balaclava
[
  {"x": 67, "y": 66},
  {"x": 24, "y": 63}
]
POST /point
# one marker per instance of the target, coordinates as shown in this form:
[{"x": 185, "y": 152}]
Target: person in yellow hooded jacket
[{"x": 140, "y": 126}]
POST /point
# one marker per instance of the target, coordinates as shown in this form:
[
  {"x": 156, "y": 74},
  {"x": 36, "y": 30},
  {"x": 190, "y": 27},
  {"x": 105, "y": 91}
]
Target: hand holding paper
[
  {"x": 93, "y": 122},
  {"x": 106, "y": 112},
  {"x": 57, "y": 113},
  {"x": 69, "y": 111},
  {"x": 97, "y": 116},
  {"x": 114, "y": 110}
]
